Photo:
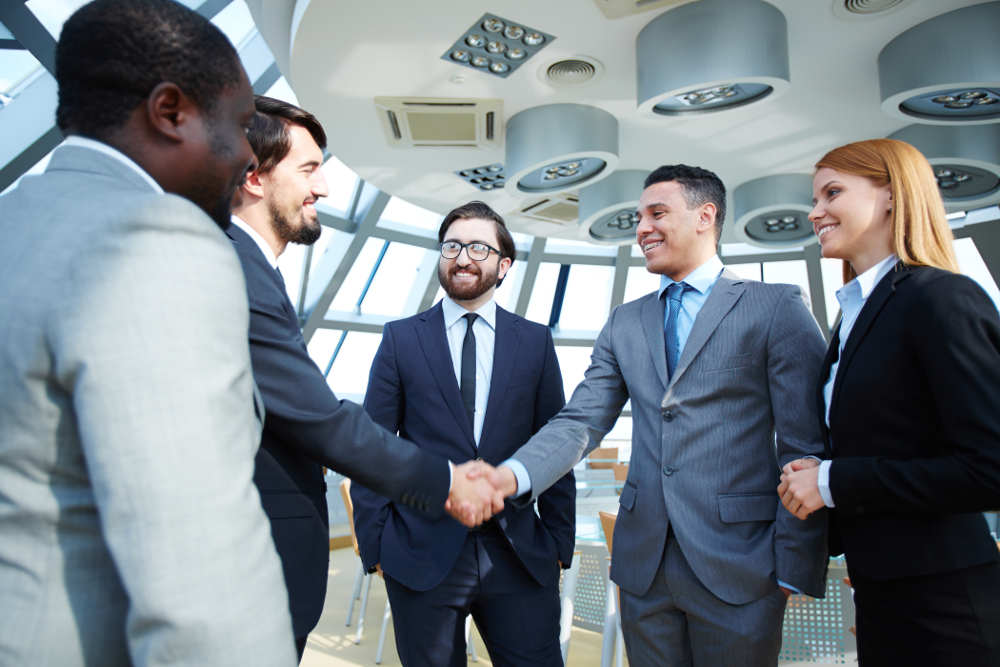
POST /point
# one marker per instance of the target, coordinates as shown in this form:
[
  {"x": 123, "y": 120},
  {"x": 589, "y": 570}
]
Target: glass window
[
  {"x": 748, "y": 271},
  {"x": 282, "y": 91},
  {"x": 53, "y": 13},
  {"x": 401, "y": 211},
  {"x": 792, "y": 272},
  {"x": 349, "y": 376},
  {"x": 833, "y": 280},
  {"x": 540, "y": 304},
  {"x": 573, "y": 363},
  {"x": 341, "y": 181},
  {"x": 397, "y": 275},
  {"x": 235, "y": 21},
  {"x": 588, "y": 297},
  {"x": 290, "y": 263},
  {"x": 322, "y": 345},
  {"x": 639, "y": 283},
  {"x": 16, "y": 68},
  {"x": 971, "y": 263},
  {"x": 347, "y": 296}
]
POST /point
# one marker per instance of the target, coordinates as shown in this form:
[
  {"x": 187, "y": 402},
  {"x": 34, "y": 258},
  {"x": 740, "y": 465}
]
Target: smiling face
[
  {"x": 851, "y": 216},
  {"x": 674, "y": 238},
  {"x": 465, "y": 280},
  {"x": 292, "y": 188}
]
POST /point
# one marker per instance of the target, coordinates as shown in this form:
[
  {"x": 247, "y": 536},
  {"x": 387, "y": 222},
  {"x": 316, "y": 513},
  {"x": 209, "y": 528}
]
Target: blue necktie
[
  {"x": 468, "y": 370},
  {"x": 674, "y": 293}
]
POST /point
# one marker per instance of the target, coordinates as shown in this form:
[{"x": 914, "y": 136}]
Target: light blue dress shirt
[
  {"x": 852, "y": 298},
  {"x": 484, "y": 329}
]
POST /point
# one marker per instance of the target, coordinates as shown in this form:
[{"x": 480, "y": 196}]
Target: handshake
[{"x": 478, "y": 490}]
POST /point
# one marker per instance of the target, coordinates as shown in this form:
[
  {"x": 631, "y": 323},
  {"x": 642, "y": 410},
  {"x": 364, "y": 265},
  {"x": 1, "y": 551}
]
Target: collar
[
  {"x": 101, "y": 147},
  {"x": 870, "y": 278},
  {"x": 259, "y": 240},
  {"x": 701, "y": 279},
  {"x": 453, "y": 312}
]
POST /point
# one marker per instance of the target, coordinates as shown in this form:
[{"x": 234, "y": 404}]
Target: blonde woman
[{"x": 910, "y": 398}]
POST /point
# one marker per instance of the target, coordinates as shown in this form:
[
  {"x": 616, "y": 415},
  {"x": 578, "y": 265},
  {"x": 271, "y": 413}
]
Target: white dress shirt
[{"x": 259, "y": 240}]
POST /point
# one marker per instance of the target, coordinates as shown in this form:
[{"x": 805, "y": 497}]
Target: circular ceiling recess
[
  {"x": 869, "y": 6},
  {"x": 571, "y": 71}
]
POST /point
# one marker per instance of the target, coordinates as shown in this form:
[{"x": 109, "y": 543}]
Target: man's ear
[
  {"x": 169, "y": 111},
  {"x": 706, "y": 216},
  {"x": 504, "y": 267},
  {"x": 252, "y": 183}
]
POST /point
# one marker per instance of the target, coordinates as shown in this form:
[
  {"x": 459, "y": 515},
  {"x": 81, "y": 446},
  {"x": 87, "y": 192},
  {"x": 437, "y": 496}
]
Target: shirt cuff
[
  {"x": 785, "y": 584},
  {"x": 521, "y": 475},
  {"x": 823, "y": 482},
  {"x": 451, "y": 475}
]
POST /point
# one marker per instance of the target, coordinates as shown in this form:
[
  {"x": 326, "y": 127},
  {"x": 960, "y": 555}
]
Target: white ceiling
[{"x": 340, "y": 55}]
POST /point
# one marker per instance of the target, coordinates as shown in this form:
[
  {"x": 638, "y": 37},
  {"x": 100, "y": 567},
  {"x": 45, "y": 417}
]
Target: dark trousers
[
  {"x": 944, "y": 619},
  {"x": 517, "y": 618}
]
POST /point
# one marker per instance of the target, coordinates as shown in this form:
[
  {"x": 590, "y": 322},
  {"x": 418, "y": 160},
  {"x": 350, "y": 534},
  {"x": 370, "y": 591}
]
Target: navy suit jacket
[
  {"x": 413, "y": 390},
  {"x": 307, "y": 427},
  {"x": 915, "y": 427}
]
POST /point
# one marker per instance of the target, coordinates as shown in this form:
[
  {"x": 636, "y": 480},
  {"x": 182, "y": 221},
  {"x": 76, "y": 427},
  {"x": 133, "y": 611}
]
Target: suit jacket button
[
  {"x": 668, "y": 415},
  {"x": 668, "y": 470}
]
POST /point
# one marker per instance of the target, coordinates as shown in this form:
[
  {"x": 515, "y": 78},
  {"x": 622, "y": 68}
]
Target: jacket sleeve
[
  {"x": 557, "y": 505},
  {"x": 795, "y": 350},
  {"x": 304, "y": 414}
]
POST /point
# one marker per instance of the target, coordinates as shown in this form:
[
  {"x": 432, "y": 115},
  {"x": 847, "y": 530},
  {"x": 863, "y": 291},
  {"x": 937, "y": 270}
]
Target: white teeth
[
  {"x": 823, "y": 230},
  {"x": 649, "y": 246}
]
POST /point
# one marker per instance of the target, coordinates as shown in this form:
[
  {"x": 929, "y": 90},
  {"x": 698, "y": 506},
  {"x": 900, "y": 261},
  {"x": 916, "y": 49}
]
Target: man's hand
[
  {"x": 502, "y": 478},
  {"x": 799, "y": 488},
  {"x": 472, "y": 499}
]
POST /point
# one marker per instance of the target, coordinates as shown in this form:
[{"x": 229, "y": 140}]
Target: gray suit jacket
[
  {"x": 704, "y": 460},
  {"x": 130, "y": 528}
]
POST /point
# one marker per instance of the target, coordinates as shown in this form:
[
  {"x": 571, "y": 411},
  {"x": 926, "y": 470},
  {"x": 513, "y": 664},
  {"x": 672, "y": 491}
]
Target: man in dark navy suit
[
  {"x": 468, "y": 380},
  {"x": 306, "y": 427}
]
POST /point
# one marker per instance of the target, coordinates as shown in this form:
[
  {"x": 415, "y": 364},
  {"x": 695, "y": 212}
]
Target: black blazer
[
  {"x": 307, "y": 427},
  {"x": 413, "y": 390},
  {"x": 915, "y": 427}
]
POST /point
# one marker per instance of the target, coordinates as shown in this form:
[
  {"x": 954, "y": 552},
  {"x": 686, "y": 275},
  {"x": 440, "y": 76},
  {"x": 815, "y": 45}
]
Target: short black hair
[
  {"x": 478, "y": 209},
  {"x": 113, "y": 53},
  {"x": 700, "y": 186},
  {"x": 268, "y": 135}
]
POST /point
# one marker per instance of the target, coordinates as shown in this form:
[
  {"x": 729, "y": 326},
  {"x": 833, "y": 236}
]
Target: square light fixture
[
  {"x": 485, "y": 177},
  {"x": 496, "y": 46}
]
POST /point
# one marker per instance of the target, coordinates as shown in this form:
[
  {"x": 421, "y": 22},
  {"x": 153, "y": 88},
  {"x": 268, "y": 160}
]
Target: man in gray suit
[
  {"x": 130, "y": 529},
  {"x": 720, "y": 372}
]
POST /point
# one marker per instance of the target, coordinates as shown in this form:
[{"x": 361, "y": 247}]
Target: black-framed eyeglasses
[{"x": 477, "y": 250}]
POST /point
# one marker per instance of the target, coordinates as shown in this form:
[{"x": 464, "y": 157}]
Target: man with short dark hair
[
  {"x": 307, "y": 426},
  {"x": 720, "y": 372},
  {"x": 467, "y": 380},
  {"x": 130, "y": 529}
]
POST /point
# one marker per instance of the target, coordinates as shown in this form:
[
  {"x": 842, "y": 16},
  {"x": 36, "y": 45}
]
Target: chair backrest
[
  {"x": 345, "y": 494},
  {"x": 603, "y": 457},
  {"x": 621, "y": 471},
  {"x": 608, "y": 527}
]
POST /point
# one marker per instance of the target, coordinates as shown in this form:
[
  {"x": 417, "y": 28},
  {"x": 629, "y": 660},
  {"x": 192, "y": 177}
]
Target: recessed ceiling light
[
  {"x": 559, "y": 147},
  {"x": 608, "y": 207},
  {"x": 773, "y": 211},
  {"x": 965, "y": 159},
  {"x": 497, "y": 46},
  {"x": 486, "y": 177},
  {"x": 927, "y": 79},
  {"x": 747, "y": 61}
]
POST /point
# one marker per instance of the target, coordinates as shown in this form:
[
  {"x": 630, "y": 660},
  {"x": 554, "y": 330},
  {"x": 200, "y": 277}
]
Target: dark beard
[
  {"x": 306, "y": 234},
  {"x": 466, "y": 292}
]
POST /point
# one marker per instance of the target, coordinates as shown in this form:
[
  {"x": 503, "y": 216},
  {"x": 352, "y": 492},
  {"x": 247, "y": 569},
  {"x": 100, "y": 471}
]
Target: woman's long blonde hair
[{"x": 920, "y": 232}]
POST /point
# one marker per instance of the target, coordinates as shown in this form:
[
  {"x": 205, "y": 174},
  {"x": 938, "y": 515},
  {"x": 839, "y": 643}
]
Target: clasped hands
[
  {"x": 478, "y": 491},
  {"x": 799, "y": 487}
]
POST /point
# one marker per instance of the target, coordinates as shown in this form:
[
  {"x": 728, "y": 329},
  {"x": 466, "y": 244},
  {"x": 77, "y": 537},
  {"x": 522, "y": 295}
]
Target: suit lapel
[
  {"x": 652, "y": 327},
  {"x": 866, "y": 318},
  {"x": 726, "y": 292},
  {"x": 434, "y": 343},
  {"x": 505, "y": 345}
]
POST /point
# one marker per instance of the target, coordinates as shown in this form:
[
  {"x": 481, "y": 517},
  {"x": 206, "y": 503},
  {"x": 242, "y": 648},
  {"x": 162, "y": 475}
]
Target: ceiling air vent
[
  {"x": 572, "y": 71},
  {"x": 440, "y": 122},
  {"x": 865, "y": 7},
  {"x": 560, "y": 210}
]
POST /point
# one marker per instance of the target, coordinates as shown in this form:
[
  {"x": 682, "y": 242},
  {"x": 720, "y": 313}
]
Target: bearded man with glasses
[{"x": 468, "y": 380}]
